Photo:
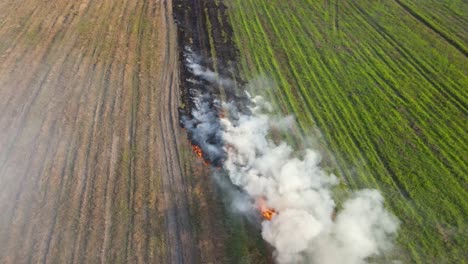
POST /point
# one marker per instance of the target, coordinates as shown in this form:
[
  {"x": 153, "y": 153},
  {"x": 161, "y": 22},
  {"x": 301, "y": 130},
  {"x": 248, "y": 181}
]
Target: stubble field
[{"x": 94, "y": 166}]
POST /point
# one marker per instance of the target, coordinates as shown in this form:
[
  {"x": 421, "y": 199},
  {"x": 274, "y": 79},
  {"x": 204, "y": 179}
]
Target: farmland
[
  {"x": 385, "y": 83},
  {"x": 94, "y": 167}
]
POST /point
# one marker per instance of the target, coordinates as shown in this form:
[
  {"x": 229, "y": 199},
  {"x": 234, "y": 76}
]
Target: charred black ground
[{"x": 213, "y": 50}]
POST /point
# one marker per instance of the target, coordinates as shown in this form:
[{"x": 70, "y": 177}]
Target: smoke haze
[{"x": 306, "y": 226}]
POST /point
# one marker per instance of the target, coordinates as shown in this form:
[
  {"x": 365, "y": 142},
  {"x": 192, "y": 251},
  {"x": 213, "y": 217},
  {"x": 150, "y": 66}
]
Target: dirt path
[{"x": 93, "y": 164}]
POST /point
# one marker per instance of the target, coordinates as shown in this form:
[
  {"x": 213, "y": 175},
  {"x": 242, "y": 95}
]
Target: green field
[{"x": 386, "y": 84}]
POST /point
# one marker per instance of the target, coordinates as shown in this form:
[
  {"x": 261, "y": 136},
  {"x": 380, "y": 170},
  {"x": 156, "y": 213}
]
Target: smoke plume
[{"x": 306, "y": 226}]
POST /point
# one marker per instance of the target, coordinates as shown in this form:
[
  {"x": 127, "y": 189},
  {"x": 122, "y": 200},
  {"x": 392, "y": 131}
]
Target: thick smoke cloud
[{"x": 306, "y": 228}]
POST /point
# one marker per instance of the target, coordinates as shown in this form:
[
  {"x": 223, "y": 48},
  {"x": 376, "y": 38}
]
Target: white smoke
[
  {"x": 300, "y": 191},
  {"x": 304, "y": 228}
]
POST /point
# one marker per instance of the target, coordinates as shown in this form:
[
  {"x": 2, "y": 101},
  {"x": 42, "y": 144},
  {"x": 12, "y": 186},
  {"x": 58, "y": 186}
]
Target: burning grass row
[{"x": 387, "y": 91}]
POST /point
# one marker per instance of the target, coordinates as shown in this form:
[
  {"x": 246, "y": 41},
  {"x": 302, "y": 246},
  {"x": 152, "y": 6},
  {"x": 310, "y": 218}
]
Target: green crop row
[{"x": 388, "y": 92}]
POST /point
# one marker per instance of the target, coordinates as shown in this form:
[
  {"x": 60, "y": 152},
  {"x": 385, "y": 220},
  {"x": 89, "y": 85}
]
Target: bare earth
[{"x": 93, "y": 164}]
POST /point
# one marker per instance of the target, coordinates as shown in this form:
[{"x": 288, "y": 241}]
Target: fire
[
  {"x": 197, "y": 150},
  {"x": 266, "y": 212}
]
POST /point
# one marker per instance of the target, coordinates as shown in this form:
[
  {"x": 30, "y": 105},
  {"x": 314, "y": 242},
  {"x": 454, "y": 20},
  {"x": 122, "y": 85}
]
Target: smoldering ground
[{"x": 305, "y": 226}]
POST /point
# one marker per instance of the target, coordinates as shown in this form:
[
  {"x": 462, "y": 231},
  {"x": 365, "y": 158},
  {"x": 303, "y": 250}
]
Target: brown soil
[{"x": 93, "y": 164}]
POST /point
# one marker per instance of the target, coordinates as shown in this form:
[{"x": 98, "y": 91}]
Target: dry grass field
[{"x": 93, "y": 164}]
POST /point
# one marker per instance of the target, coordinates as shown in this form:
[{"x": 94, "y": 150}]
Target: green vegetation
[{"x": 385, "y": 82}]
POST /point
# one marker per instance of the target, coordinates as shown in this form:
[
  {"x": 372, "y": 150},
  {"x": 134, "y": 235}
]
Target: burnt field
[
  {"x": 94, "y": 166},
  {"x": 205, "y": 40}
]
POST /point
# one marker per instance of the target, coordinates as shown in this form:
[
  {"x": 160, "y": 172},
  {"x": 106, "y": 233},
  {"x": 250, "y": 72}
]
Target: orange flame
[
  {"x": 197, "y": 150},
  {"x": 266, "y": 212}
]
